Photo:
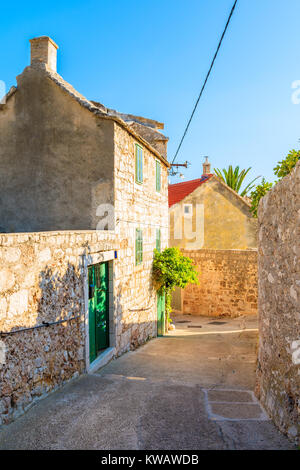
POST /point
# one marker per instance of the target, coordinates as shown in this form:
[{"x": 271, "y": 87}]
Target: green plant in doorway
[{"x": 172, "y": 269}]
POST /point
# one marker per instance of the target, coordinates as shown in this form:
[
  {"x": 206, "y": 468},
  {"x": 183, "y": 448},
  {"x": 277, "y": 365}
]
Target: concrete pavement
[{"x": 189, "y": 390}]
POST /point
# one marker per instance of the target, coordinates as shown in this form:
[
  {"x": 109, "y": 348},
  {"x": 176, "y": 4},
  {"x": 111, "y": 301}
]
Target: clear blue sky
[{"x": 150, "y": 58}]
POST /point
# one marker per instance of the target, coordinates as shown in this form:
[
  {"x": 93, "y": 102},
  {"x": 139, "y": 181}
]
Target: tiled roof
[{"x": 179, "y": 191}]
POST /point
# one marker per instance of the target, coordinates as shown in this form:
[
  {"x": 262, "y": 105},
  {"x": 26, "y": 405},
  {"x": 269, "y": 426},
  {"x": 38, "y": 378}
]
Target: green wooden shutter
[
  {"x": 138, "y": 246},
  {"x": 138, "y": 164},
  {"x": 158, "y": 239},
  {"x": 161, "y": 308},
  {"x": 141, "y": 165},
  {"x": 98, "y": 309},
  {"x": 158, "y": 176}
]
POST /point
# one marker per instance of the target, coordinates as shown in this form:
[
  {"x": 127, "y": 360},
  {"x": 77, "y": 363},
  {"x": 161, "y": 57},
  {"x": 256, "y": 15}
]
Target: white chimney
[{"x": 44, "y": 50}]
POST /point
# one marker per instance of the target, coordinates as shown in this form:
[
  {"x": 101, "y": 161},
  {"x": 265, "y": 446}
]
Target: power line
[{"x": 205, "y": 81}]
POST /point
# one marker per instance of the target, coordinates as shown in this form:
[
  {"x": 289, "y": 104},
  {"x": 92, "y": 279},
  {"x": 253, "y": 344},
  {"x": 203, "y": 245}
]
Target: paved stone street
[{"x": 189, "y": 390}]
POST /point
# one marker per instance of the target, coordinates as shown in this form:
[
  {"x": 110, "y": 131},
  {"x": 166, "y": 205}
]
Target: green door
[
  {"x": 98, "y": 309},
  {"x": 161, "y": 307}
]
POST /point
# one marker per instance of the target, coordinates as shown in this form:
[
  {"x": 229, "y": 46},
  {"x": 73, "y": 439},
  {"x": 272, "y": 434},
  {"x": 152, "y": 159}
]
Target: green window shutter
[
  {"x": 141, "y": 164},
  {"x": 158, "y": 239},
  {"x": 141, "y": 255},
  {"x": 138, "y": 246},
  {"x": 158, "y": 176},
  {"x": 138, "y": 164}
]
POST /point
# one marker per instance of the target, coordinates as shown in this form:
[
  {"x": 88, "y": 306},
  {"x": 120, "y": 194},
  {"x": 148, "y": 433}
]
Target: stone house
[
  {"x": 213, "y": 225},
  {"x": 83, "y": 204}
]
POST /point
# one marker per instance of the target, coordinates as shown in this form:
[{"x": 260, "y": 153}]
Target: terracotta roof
[{"x": 179, "y": 191}]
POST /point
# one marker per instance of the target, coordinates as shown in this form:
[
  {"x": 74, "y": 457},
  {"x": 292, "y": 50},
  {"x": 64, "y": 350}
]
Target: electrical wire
[{"x": 205, "y": 81}]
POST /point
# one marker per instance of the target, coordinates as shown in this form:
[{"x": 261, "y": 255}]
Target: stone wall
[
  {"x": 42, "y": 280},
  {"x": 227, "y": 283},
  {"x": 66, "y": 158},
  {"x": 76, "y": 162},
  {"x": 278, "y": 374},
  {"x": 137, "y": 206}
]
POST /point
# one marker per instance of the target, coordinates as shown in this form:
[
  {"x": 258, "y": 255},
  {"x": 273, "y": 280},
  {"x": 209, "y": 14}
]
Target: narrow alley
[{"x": 192, "y": 389}]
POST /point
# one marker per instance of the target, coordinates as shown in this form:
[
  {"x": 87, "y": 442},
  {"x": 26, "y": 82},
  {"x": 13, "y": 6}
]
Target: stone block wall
[
  {"x": 137, "y": 206},
  {"x": 41, "y": 280},
  {"x": 227, "y": 283},
  {"x": 278, "y": 374}
]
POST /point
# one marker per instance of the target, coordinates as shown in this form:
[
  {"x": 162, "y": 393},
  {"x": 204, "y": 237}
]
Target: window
[
  {"x": 138, "y": 246},
  {"x": 138, "y": 164},
  {"x": 188, "y": 209},
  {"x": 158, "y": 239},
  {"x": 158, "y": 176}
]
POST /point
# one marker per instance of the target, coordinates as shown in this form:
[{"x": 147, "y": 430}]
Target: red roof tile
[{"x": 179, "y": 191}]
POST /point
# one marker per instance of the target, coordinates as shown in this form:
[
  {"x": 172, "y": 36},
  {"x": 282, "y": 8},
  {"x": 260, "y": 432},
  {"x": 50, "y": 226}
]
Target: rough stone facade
[
  {"x": 227, "y": 283},
  {"x": 137, "y": 206},
  {"x": 278, "y": 374},
  {"x": 65, "y": 146},
  {"x": 42, "y": 280},
  {"x": 72, "y": 162}
]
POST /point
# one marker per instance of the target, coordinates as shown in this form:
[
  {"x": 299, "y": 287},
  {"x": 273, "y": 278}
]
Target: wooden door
[
  {"x": 98, "y": 309},
  {"x": 161, "y": 309}
]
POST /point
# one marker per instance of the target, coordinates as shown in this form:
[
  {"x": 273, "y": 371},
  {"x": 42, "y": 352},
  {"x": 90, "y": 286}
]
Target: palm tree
[{"x": 234, "y": 178}]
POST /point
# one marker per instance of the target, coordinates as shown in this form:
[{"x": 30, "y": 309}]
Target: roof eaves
[
  {"x": 210, "y": 178},
  {"x": 199, "y": 182},
  {"x": 232, "y": 191},
  {"x": 137, "y": 136},
  {"x": 8, "y": 95}
]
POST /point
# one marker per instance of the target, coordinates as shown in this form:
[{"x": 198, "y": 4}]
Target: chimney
[
  {"x": 206, "y": 167},
  {"x": 44, "y": 50}
]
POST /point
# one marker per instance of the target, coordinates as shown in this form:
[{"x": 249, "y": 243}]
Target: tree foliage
[
  {"x": 234, "y": 178},
  {"x": 282, "y": 169},
  {"x": 285, "y": 166},
  {"x": 172, "y": 269},
  {"x": 259, "y": 192}
]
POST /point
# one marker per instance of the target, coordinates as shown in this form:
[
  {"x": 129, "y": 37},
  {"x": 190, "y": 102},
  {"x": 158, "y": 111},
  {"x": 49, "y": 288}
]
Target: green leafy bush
[
  {"x": 259, "y": 192},
  {"x": 285, "y": 166},
  {"x": 172, "y": 269}
]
